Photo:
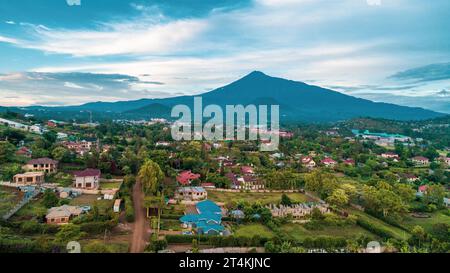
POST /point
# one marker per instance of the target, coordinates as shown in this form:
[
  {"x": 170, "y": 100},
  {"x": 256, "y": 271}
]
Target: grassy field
[
  {"x": 252, "y": 197},
  {"x": 90, "y": 200},
  {"x": 168, "y": 224},
  {"x": 8, "y": 199},
  {"x": 30, "y": 210},
  {"x": 427, "y": 223},
  {"x": 298, "y": 232},
  {"x": 251, "y": 230},
  {"x": 110, "y": 185},
  {"x": 397, "y": 232}
]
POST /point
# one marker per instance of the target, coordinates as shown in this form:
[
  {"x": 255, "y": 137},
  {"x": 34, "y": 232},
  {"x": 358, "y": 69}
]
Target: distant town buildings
[
  {"x": 81, "y": 147},
  {"x": 382, "y": 139},
  {"x": 390, "y": 155}
]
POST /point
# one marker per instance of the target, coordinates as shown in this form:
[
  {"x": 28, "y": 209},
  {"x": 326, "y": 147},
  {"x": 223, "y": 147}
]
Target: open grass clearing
[{"x": 253, "y": 197}]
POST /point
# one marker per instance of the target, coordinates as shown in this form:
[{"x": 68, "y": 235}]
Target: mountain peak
[{"x": 256, "y": 74}]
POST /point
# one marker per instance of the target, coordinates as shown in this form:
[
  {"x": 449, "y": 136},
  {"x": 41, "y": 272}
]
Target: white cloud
[
  {"x": 73, "y": 85},
  {"x": 9, "y": 40},
  {"x": 138, "y": 37},
  {"x": 329, "y": 42}
]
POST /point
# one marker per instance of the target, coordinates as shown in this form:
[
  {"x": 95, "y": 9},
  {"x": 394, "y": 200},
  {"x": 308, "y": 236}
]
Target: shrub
[
  {"x": 157, "y": 245},
  {"x": 375, "y": 229},
  {"x": 97, "y": 227},
  {"x": 129, "y": 210}
]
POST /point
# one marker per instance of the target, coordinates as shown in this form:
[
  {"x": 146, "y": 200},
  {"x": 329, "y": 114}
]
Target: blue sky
[{"x": 52, "y": 53}]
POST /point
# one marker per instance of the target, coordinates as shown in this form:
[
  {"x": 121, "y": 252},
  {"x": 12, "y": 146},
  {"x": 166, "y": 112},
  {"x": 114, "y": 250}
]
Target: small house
[
  {"x": 185, "y": 178},
  {"x": 24, "y": 151},
  {"x": 191, "y": 193},
  {"x": 46, "y": 165},
  {"x": 62, "y": 215},
  {"x": 420, "y": 161},
  {"x": 29, "y": 178},
  {"x": 206, "y": 220},
  {"x": 88, "y": 179},
  {"x": 308, "y": 162},
  {"x": 328, "y": 162}
]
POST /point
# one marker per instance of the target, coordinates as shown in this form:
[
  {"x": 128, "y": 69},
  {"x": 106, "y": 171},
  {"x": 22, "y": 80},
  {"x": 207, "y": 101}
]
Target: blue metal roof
[
  {"x": 208, "y": 206},
  {"x": 209, "y": 217}
]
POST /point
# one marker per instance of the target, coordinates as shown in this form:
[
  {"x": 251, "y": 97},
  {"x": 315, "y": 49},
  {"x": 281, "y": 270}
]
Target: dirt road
[{"x": 140, "y": 233}]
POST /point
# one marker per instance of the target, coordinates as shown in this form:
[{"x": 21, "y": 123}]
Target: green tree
[
  {"x": 338, "y": 198},
  {"x": 418, "y": 236},
  {"x": 8, "y": 171},
  {"x": 7, "y": 151},
  {"x": 50, "y": 200},
  {"x": 150, "y": 175},
  {"x": 60, "y": 154},
  {"x": 435, "y": 195},
  {"x": 195, "y": 248},
  {"x": 285, "y": 200},
  {"x": 69, "y": 232}
]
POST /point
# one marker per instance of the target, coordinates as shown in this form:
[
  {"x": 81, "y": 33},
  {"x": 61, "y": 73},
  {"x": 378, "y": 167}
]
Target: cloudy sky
[{"x": 52, "y": 53}]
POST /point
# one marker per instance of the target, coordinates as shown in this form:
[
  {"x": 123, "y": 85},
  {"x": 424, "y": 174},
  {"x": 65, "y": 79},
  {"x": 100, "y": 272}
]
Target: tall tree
[
  {"x": 6, "y": 151},
  {"x": 150, "y": 176}
]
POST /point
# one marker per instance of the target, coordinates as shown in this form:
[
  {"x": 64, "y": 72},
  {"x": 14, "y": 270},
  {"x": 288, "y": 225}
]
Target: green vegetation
[
  {"x": 263, "y": 198},
  {"x": 249, "y": 230}
]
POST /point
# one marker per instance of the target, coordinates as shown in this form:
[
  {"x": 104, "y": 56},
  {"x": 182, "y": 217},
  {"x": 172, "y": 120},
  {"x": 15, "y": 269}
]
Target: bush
[
  {"x": 324, "y": 242},
  {"x": 31, "y": 227},
  {"x": 218, "y": 241},
  {"x": 375, "y": 229},
  {"x": 20, "y": 245},
  {"x": 157, "y": 245},
  {"x": 185, "y": 239},
  {"x": 97, "y": 227},
  {"x": 129, "y": 210}
]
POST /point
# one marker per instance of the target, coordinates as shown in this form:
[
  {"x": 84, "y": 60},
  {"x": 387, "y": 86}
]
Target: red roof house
[
  {"x": 328, "y": 162},
  {"x": 186, "y": 177},
  {"x": 349, "y": 161},
  {"x": 247, "y": 170},
  {"x": 423, "y": 188}
]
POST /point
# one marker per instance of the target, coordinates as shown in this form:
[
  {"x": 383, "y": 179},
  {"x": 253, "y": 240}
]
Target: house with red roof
[
  {"x": 285, "y": 134},
  {"x": 329, "y": 162},
  {"x": 349, "y": 162},
  {"x": 308, "y": 162},
  {"x": 411, "y": 177},
  {"x": 422, "y": 190},
  {"x": 390, "y": 155},
  {"x": 87, "y": 179},
  {"x": 186, "y": 177},
  {"x": 24, "y": 151},
  {"x": 247, "y": 170}
]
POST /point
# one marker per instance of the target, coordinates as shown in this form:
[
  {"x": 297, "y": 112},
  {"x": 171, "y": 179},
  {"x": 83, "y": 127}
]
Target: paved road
[{"x": 140, "y": 228}]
